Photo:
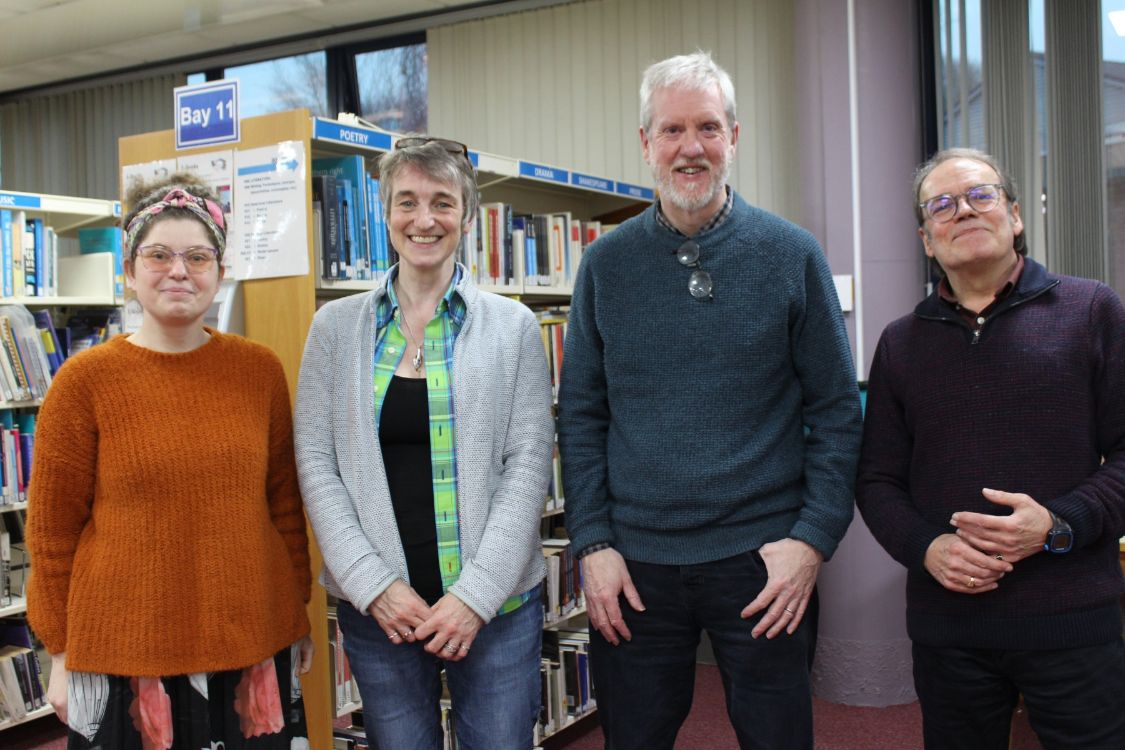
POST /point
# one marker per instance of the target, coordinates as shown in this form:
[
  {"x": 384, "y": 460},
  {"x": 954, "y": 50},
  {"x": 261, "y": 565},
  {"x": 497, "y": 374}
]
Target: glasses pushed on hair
[
  {"x": 699, "y": 283},
  {"x": 160, "y": 258},
  {"x": 945, "y": 207},
  {"x": 454, "y": 147}
]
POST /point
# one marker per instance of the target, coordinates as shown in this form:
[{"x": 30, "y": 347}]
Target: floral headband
[{"x": 207, "y": 210}]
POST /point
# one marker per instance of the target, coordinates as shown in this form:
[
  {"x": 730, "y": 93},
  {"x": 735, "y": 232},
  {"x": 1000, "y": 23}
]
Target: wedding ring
[
  {"x": 450, "y": 648},
  {"x": 394, "y": 635},
  {"x": 790, "y": 611},
  {"x": 1000, "y": 557},
  {"x": 465, "y": 649},
  {"x": 972, "y": 582}
]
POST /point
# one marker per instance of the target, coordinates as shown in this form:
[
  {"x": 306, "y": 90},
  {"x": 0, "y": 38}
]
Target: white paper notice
[
  {"x": 270, "y": 212},
  {"x": 216, "y": 168},
  {"x": 149, "y": 173}
]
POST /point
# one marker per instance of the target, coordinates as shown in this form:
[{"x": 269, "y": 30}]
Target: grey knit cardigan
[{"x": 504, "y": 440}]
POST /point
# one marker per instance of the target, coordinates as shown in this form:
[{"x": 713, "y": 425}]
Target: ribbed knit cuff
[{"x": 596, "y": 547}]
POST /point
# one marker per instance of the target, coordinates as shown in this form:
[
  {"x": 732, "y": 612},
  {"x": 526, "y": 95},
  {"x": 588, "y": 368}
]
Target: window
[
  {"x": 392, "y": 87},
  {"x": 283, "y": 84}
]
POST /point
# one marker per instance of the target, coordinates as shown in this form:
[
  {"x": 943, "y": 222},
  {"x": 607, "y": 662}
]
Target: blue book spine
[
  {"x": 6, "y": 252},
  {"x": 30, "y": 259},
  {"x": 41, "y": 257}
]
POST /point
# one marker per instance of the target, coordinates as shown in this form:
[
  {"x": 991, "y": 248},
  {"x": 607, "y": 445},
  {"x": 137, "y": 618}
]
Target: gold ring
[{"x": 972, "y": 582}]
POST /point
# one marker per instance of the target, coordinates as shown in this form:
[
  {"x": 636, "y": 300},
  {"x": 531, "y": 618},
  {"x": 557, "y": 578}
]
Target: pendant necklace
[{"x": 417, "y": 360}]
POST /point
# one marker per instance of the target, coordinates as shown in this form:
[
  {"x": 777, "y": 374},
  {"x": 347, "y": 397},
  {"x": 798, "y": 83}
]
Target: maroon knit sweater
[{"x": 1033, "y": 406}]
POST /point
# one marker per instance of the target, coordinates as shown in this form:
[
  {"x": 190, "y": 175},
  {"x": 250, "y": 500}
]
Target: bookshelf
[
  {"x": 71, "y": 281},
  {"x": 279, "y": 311}
]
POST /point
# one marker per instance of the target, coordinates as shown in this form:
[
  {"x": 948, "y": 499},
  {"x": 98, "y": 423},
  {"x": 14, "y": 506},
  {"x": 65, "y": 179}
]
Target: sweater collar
[{"x": 1033, "y": 280}]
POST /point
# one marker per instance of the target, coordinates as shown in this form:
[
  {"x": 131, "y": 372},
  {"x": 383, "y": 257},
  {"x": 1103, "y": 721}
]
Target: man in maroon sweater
[{"x": 993, "y": 468}]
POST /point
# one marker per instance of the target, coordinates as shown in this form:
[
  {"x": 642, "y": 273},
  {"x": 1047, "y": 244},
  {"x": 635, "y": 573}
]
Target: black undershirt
[{"x": 404, "y": 436}]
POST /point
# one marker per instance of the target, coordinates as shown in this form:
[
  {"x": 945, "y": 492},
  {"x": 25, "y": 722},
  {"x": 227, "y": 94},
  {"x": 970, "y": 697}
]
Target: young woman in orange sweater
[{"x": 168, "y": 546}]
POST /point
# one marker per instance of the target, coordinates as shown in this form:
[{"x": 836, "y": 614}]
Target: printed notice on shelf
[
  {"x": 150, "y": 173},
  {"x": 270, "y": 212},
  {"x": 216, "y": 168}
]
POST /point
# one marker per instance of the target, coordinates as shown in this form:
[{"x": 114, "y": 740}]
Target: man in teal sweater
[{"x": 709, "y": 424}]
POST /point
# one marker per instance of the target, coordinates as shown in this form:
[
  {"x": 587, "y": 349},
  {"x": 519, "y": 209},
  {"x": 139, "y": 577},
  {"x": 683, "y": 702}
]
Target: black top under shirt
[{"x": 404, "y": 436}]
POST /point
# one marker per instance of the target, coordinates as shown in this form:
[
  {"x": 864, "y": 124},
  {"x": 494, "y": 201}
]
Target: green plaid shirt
[{"x": 437, "y": 346}]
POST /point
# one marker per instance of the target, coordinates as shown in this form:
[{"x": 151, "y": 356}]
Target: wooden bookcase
[{"x": 279, "y": 311}]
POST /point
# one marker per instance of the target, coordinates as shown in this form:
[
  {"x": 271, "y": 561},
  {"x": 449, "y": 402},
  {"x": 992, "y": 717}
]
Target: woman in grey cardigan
[{"x": 424, "y": 440}]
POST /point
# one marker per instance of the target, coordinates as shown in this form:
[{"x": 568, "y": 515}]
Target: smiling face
[
  {"x": 972, "y": 241},
  {"x": 425, "y": 221},
  {"x": 690, "y": 147},
  {"x": 174, "y": 297}
]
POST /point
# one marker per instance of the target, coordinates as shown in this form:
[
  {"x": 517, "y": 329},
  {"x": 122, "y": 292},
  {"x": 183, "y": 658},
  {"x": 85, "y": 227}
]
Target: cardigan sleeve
[
  {"x": 511, "y": 533},
  {"x": 282, "y": 491},
  {"x": 61, "y": 494},
  {"x": 349, "y": 556}
]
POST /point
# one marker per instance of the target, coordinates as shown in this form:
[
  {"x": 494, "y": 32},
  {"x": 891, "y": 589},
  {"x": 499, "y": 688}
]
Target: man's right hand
[
  {"x": 960, "y": 567},
  {"x": 605, "y": 578}
]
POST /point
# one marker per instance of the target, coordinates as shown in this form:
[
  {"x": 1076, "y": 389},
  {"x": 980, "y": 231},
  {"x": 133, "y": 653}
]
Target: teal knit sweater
[{"x": 696, "y": 430}]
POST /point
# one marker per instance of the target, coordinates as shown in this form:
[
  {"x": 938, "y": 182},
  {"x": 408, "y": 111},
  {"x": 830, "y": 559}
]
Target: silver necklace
[{"x": 418, "y": 359}]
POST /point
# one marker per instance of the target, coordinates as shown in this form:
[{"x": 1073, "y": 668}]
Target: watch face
[{"x": 1060, "y": 541}]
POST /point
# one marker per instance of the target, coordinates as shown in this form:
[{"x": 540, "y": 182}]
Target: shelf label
[
  {"x": 541, "y": 172},
  {"x": 590, "y": 182},
  {"x": 327, "y": 130},
  {"x": 11, "y": 200},
  {"x": 635, "y": 191},
  {"x": 206, "y": 114}
]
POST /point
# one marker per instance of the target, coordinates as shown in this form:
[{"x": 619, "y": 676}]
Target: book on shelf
[
  {"x": 105, "y": 240},
  {"x": 353, "y": 198},
  {"x": 324, "y": 192}
]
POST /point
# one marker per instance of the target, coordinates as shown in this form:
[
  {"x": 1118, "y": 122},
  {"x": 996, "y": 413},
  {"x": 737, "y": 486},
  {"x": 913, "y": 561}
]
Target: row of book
[
  {"x": 562, "y": 588},
  {"x": 22, "y": 682},
  {"x": 346, "y": 689},
  {"x": 29, "y": 256},
  {"x": 506, "y": 248},
  {"x": 349, "y": 225},
  {"x": 564, "y": 671},
  {"x": 13, "y": 560},
  {"x": 17, "y": 445}
]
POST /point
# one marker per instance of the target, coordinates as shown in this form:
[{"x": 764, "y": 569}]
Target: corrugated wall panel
[
  {"x": 67, "y": 143},
  {"x": 559, "y": 84}
]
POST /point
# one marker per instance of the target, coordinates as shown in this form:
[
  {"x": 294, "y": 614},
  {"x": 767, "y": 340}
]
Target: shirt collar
[
  {"x": 945, "y": 291},
  {"x": 716, "y": 220},
  {"x": 452, "y": 301}
]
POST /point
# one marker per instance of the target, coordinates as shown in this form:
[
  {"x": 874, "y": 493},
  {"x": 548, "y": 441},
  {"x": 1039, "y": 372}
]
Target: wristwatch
[{"x": 1060, "y": 538}]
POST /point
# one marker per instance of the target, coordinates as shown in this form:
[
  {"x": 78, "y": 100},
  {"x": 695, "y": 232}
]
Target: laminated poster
[
  {"x": 271, "y": 212},
  {"x": 216, "y": 168}
]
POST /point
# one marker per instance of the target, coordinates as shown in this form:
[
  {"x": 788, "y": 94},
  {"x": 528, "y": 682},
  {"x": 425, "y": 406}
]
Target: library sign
[{"x": 207, "y": 114}]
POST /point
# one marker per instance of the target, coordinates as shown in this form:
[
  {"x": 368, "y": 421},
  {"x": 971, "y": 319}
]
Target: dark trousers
[
  {"x": 644, "y": 686},
  {"x": 1075, "y": 697}
]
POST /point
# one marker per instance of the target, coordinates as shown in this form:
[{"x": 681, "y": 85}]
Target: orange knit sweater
[{"x": 164, "y": 519}]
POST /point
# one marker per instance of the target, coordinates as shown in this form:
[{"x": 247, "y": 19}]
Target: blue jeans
[
  {"x": 494, "y": 690},
  {"x": 644, "y": 686},
  {"x": 1075, "y": 697}
]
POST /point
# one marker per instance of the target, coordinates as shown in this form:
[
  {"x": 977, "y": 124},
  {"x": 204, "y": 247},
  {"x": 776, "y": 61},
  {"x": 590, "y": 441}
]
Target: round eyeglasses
[
  {"x": 161, "y": 258},
  {"x": 699, "y": 283},
  {"x": 945, "y": 207}
]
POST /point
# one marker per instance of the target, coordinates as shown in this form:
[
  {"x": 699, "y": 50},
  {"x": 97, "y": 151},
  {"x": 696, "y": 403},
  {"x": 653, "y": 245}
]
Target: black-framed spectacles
[
  {"x": 699, "y": 283},
  {"x": 945, "y": 207},
  {"x": 453, "y": 147}
]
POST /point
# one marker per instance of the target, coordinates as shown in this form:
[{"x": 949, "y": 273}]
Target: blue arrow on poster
[{"x": 207, "y": 114}]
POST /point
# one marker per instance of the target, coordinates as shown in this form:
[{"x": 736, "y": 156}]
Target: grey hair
[
  {"x": 696, "y": 72},
  {"x": 1006, "y": 181},
  {"x": 436, "y": 163}
]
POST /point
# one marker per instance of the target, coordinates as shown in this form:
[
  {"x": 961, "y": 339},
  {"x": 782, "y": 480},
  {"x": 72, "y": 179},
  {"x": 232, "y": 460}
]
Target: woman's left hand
[
  {"x": 453, "y": 625},
  {"x": 305, "y": 653}
]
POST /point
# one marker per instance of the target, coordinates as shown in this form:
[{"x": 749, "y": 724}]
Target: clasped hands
[
  {"x": 985, "y": 547},
  {"x": 448, "y": 628}
]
